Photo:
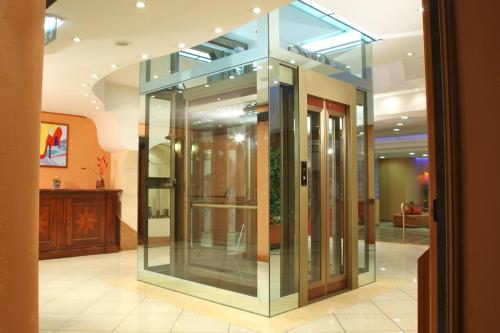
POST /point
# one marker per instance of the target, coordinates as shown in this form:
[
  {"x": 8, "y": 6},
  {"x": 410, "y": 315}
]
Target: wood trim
[{"x": 444, "y": 143}]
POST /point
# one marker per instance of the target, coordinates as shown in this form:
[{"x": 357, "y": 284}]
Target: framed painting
[{"x": 53, "y": 145}]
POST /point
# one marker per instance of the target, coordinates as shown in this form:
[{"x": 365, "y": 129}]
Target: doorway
[{"x": 326, "y": 197}]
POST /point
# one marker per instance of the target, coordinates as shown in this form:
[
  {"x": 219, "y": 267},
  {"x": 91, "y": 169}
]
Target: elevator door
[{"x": 326, "y": 197}]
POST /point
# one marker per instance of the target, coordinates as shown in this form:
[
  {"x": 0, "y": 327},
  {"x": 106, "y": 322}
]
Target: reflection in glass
[
  {"x": 335, "y": 160},
  {"x": 314, "y": 195}
]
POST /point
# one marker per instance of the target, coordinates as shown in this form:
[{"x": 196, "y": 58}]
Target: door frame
[{"x": 322, "y": 86}]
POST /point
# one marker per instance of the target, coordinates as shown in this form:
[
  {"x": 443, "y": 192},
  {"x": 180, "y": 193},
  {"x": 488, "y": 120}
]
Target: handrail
[{"x": 207, "y": 205}]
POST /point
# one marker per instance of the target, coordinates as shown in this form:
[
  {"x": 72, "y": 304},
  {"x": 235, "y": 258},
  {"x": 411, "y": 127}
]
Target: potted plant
[
  {"x": 102, "y": 165},
  {"x": 274, "y": 198}
]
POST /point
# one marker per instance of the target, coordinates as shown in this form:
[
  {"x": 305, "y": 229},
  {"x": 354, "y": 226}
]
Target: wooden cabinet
[{"x": 78, "y": 222}]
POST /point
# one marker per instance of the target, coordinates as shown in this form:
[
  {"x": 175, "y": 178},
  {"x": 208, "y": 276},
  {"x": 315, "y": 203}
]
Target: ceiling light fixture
[
  {"x": 207, "y": 86},
  {"x": 382, "y": 157},
  {"x": 399, "y": 124},
  {"x": 97, "y": 107},
  {"x": 144, "y": 56},
  {"x": 412, "y": 153},
  {"x": 155, "y": 76},
  {"x": 182, "y": 45},
  {"x": 292, "y": 62},
  {"x": 409, "y": 54},
  {"x": 140, "y": 4},
  {"x": 231, "y": 77},
  {"x": 256, "y": 10},
  {"x": 404, "y": 117},
  {"x": 94, "y": 101},
  {"x": 425, "y": 155},
  {"x": 95, "y": 76},
  {"x": 396, "y": 130},
  {"x": 76, "y": 39},
  {"x": 219, "y": 99},
  {"x": 85, "y": 84},
  {"x": 153, "y": 96},
  {"x": 218, "y": 30},
  {"x": 114, "y": 66}
]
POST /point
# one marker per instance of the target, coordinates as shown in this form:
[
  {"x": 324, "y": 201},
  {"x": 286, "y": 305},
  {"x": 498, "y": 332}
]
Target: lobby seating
[{"x": 411, "y": 221}]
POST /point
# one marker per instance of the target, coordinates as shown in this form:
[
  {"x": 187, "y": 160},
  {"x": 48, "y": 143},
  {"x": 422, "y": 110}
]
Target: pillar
[{"x": 21, "y": 59}]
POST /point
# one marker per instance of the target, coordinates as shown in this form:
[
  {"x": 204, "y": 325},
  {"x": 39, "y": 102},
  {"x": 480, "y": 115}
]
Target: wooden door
[{"x": 47, "y": 231}]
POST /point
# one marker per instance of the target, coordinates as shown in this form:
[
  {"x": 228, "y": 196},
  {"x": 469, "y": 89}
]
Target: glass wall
[{"x": 222, "y": 175}]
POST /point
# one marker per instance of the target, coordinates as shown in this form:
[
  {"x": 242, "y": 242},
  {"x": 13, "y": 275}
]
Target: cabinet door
[
  {"x": 86, "y": 220},
  {"x": 47, "y": 231}
]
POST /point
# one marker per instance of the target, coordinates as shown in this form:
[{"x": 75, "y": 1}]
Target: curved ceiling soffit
[{"x": 69, "y": 83}]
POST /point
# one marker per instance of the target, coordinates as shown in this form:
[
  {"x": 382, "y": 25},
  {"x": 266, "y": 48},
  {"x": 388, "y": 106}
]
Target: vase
[{"x": 99, "y": 184}]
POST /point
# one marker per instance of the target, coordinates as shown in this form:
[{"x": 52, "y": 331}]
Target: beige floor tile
[
  {"x": 147, "y": 323},
  {"x": 405, "y": 321},
  {"x": 362, "y": 308},
  {"x": 194, "y": 322},
  {"x": 105, "y": 307},
  {"x": 155, "y": 307},
  {"x": 367, "y": 322},
  {"x": 122, "y": 295},
  {"x": 393, "y": 295},
  {"x": 52, "y": 321},
  {"x": 398, "y": 306},
  {"x": 59, "y": 306},
  {"x": 93, "y": 322},
  {"x": 322, "y": 325},
  {"x": 238, "y": 329}
]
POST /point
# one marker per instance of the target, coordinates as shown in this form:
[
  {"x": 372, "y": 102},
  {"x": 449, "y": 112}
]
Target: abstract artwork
[{"x": 54, "y": 145}]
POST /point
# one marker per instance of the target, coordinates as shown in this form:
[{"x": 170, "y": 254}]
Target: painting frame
[{"x": 64, "y": 138}]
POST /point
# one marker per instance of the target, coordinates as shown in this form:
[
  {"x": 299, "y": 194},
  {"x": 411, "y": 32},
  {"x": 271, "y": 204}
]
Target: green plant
[{"x": 274, "y": 186}]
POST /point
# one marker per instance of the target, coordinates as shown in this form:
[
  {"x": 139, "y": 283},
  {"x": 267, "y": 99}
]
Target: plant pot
[
  {"x": 275, "y": 235},
  {"x": 99, "y": 184}
]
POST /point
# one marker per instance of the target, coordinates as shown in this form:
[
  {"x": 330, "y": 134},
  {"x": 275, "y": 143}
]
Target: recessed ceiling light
[
  {"x": 399, "y": 124},
  {"x": 114, "y": 66},
  {"x": 140, "y": 4},
  {"x": 409, "y": 54},
  {"x": 95, "y": 76},
  {"x": 231, "y": 77},
  {"x": 383, "y": 269},
  {"x": 292, "y": 61},
  {"x": 76, "y": 39},
  {"x": 396, "y": 130},
  {"x": 97, "y": 107},
  {"x": 347, "y": 66},
  {"x": 144, "y": 56},
  {"x": 85, "y": 84},
  {"x": 155, "y": 76},
  {"x": 219, "y": 99},
  {"x": 153, "y": 96},
  {"x": 94, "y": 101},
  {"x": 207, "y": 85},
  {"x": 382, "y": 157},
  {"x": 257, "y": 10},
  {"x": 218, "y": 30},
  {"x": 275, "y": 82},
  {"x": 182, "y": 45},
  {"x": 412, "y": 153},
  {"x": 86, "y": 94},
  {"x": 425, "y": 155},
  {"x": 404, "y": 117}
]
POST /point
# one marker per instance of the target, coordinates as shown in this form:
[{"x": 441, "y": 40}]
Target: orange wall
[{"x": 83, "y": 149}]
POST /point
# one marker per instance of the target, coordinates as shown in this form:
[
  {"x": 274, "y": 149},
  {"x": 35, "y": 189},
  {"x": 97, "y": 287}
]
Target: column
[{"x": 21, "y": 59}]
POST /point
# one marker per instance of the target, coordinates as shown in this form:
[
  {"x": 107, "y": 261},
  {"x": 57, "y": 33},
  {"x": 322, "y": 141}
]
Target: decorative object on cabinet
[
  {"x": 56, "y": 183},
  {"x": 53, "y": 145},
  {"x": 102, "y": 165},
  {"x": 78, "y": 222}
]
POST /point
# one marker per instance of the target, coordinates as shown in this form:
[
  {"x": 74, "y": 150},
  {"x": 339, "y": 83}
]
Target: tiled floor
[
  {"x": 101, "y": 294},
  {"x": 386, "y": 232}
]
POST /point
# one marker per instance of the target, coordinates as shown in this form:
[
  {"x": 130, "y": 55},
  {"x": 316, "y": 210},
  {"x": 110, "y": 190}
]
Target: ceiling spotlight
[
  {"x": 425, "y": 155},
  {"x": 153, "y": 96},
  {"x": 94, "y": 101},
  {"x": 292, "y": 61},
  {"x": 207, "y": 85},
  {"x": 182, "y": 45},
  {"x": 409, "y": 54},
  {"x": 231, "y": 77},
  {"x": 114, "y": 66},
  {"x": 219, "y": 99},
  {"x": 76, "y": 39},
  {"x": 412, "y": 153},
  {"x": 256, "y": 10},
  {"x": 140, "y": 4},
  {"x": 382, "y": 157},
  {"x": 95, "y": 76},
  {"x": 396, "y": 130},
  {"x": 347, "y": 66},
  {"x": 97, "y": 107},
  {"x": 218, "y": 30},
  {"x": 155, "y": 76},
  {"x": 399, "y": 124},
  {"x": 404, "y": 117},
  {"x": 85, "y": 84},
  {"x": 144, "y": 56}
]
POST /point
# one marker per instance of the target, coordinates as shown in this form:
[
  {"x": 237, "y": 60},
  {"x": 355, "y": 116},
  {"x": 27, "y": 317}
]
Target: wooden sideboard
[{"x": 78, "y": 222}]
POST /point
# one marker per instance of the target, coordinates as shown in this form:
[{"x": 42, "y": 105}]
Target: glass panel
[
  {"x": 336, "y": 223},
  {"x": 158, "y": 229},
  {"x": 314, "y": 195},
  {"x": 159, "y": 142},
  {"x": 322, "y": 38}
]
